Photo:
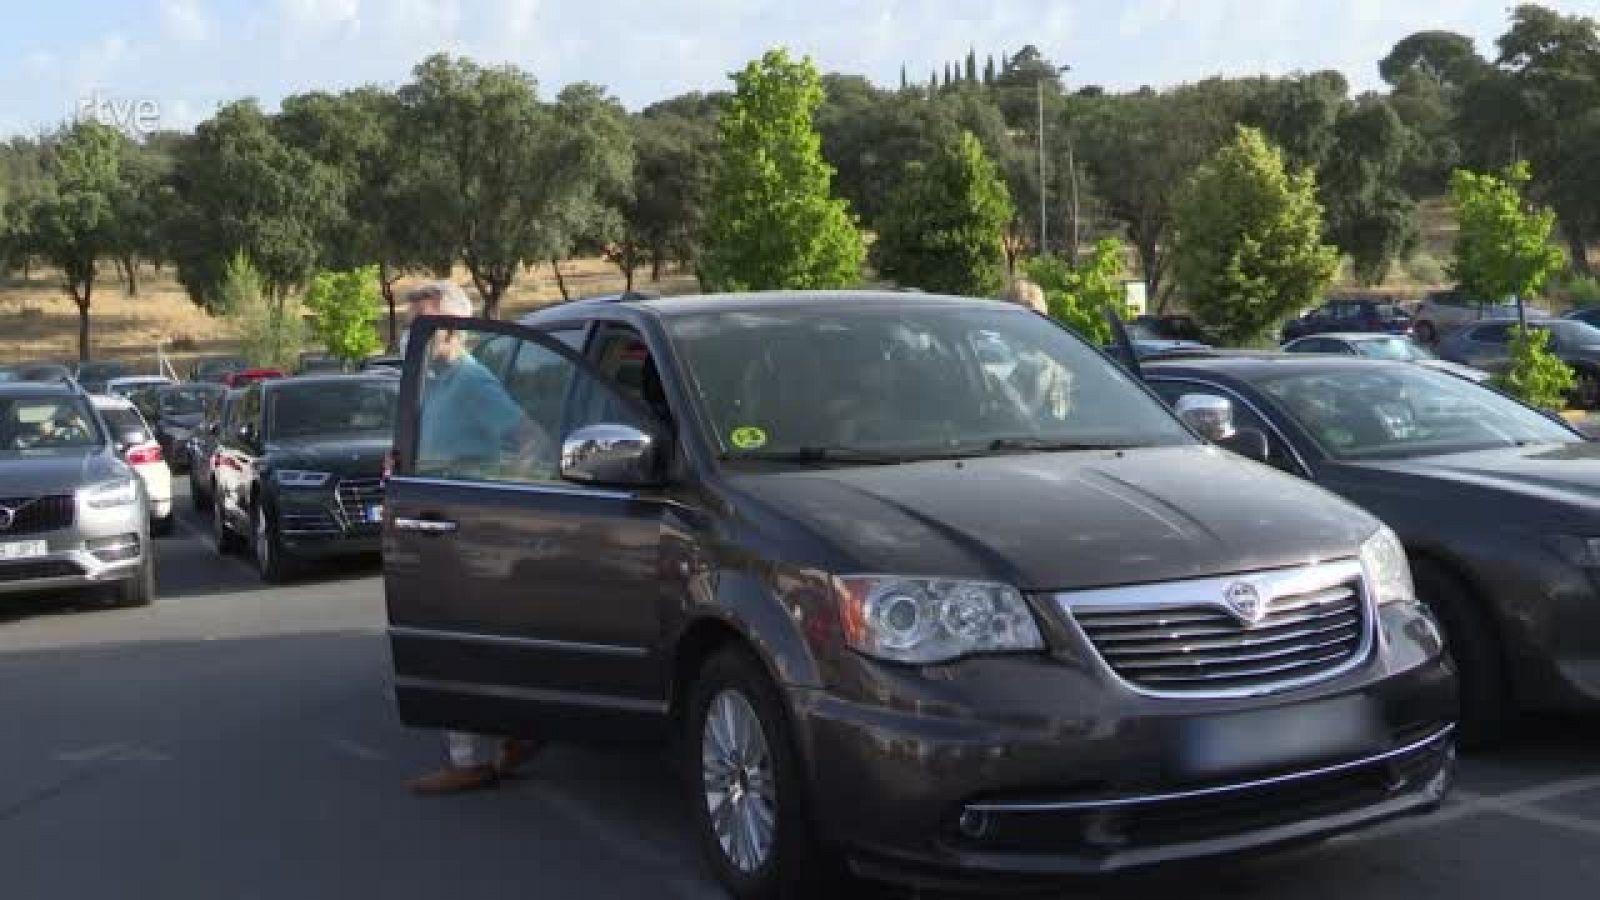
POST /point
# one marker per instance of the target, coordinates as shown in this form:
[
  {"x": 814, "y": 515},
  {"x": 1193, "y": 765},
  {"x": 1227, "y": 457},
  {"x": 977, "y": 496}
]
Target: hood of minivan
[
  {"x": 345, "y": 455},
  {"x": 38, "y": 476},
  {"x": 1564, "y": 473},
  {"x": 1055, "y": 521}
]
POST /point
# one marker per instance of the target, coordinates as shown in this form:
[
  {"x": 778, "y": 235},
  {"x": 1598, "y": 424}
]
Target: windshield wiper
[
  {"x": 822, "y": 455},
  {"x": 1047, "y": 445}
]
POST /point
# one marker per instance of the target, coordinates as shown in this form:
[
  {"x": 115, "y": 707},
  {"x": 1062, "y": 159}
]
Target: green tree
[
  {"x": 943, "y": 227},
  {"x": 1369, "y": 216},
  {"x": 1078, "y": 296},
  {"x": 1502, "y": 248},
  {"x": 343, "y": 305},
  {"x": 272, "y": 331},
  {"x": 1249, "y": 245},
  {"x": 139, "y": 205},
  {"x": 75, "y": 225},
  {"x": 664, "y": 215},
  {"x": 773, "y": 222},
  {"x": 239, "y": 188},
  {"x": 1536, "y": 376},
  {"x": 1443, "y": 57},
  {"x": 513, "y": 181}
]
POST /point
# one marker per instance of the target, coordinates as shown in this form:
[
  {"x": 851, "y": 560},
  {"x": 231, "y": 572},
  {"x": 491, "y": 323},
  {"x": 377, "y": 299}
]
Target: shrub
[
  {"x": 1579, "y": 290},
  {"x": 1536, "y": 376},
  {"x": 1426, "y": 269},
  {"x": 344, "y": 304},
  {"x": 1078, "y": 296},
  {"x": 271, "y": 330}
]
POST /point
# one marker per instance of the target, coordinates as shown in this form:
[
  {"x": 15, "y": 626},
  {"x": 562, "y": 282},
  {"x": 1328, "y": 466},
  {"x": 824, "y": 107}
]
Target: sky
[{"x": 170, "y": 63}]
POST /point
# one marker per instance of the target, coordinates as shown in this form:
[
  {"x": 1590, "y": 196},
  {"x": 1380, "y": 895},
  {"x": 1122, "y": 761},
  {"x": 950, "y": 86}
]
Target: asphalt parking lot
[{"x": 235, "y": 740}]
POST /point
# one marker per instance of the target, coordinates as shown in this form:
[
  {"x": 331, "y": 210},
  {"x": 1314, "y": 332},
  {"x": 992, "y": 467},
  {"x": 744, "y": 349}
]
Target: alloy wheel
[
  {"x": 737, "y": 772},
  {"x": 263, "y": 540}
]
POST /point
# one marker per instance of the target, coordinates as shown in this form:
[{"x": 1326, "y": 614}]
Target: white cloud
[
  {"x": 318, "y": 19},
  {"x": 184, "y": 21}
]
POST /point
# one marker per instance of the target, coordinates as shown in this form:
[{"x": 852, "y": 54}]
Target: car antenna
[{"x": 1124, "y": 345}]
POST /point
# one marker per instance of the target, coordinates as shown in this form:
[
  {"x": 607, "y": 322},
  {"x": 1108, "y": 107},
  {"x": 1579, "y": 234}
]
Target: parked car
[
  {"x": 384, "y": 361},
  {"x": 127, "y": 385},
  {"x": 1382, "y": 346},
  {"x": 175, "y": 411},
  {"x": 94, "y": 375},
  {"x": 1494, "y": 502},
  {"x": 1350, "y": 315},
  {"x": 815, "y": 537},
  {"x": 1487, "y": 346},
  {"x": 242, "y": 377},
  {"x": 40, "y": 371},
  {"x": 135, "y": 441},
  {"x": 72, "y": 513},
  {"x": 319, "y": 363},
  {"x": 297, "y": 473},
  {"x": 1589, "y": 315},
  {"x": 1441, "y": 313},
  {"x": 203, "y": 447},
  {"x": 216, "y": 368},
  {"x": 1170, "y": 328}
]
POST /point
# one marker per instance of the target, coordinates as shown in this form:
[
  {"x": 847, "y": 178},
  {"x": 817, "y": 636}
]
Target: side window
[
  {"x": 124, "y": 422},
  {"x": 1278, "y": 454},
  {"x": 621, "y": 355},
  {"x": 480, "y": 423},
  {"x": 1494, "y": 333}
]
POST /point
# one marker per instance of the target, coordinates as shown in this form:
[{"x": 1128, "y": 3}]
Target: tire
[
  {"x": 198, "y": 495},
  {"x": 227, "y": 542},
  {"x": 274, "y": 564},
  {"x": 1426, "y": 333},
  {"x": 733, "y": 689},
  {"x": 163, "y": 527},
  {"x": 1486, "y": 713},
  {"x": 139, "y": 590}
]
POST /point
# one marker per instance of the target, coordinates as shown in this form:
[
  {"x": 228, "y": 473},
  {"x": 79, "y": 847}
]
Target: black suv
[
  {"x": 951, "y": 618},
  {"x": 298, "y": 467}
]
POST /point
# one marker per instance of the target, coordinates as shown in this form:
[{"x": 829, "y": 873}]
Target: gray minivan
[{"x": 923, "y": 584}]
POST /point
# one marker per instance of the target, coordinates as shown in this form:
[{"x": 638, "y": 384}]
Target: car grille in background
[
  {"x": 29, "y": 571},
  {"x": 357, "y": 495},
  {"x": 31, "y": 515},
  {"x": 1187, "y": 640},
  {"x": 307, "y": 523}
]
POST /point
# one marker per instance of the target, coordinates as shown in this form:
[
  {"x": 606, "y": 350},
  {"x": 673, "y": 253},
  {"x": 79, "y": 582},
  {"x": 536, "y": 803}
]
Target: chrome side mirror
[
  {"x": 610, "y": 454},
  {"x": 1210, "y": 416}
]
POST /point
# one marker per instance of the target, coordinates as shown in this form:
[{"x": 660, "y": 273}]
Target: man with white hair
[{"x": 469, "y": 418}]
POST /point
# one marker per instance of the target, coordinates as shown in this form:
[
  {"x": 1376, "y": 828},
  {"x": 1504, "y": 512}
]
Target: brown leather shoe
[
  {"x": 514, "y": 754},
  {"x": 452, "y": 780}
]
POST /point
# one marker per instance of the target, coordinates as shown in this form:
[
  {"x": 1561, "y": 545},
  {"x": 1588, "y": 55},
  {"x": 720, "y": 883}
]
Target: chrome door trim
[
  {"x": 426, "y": 526},
  {"x": 520, "y": 487},
  {"x": 472, "y": 637},
  {"x": 1436, "y": 737},
  {"x": 536, "y": 695}
]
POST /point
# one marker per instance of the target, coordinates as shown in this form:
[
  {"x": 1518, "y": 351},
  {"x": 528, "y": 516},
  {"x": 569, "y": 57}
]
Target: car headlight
[
  {"x": 1583, "y": 552},
  {"x": 923, "y": 620},
  {"x": 301, "y": 478},
  {"x": 110, "y": 494},
  {"x": 1383, "y": 559}
]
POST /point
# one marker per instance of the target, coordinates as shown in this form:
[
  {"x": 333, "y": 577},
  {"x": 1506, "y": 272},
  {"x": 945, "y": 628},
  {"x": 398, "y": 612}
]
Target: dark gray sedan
[
  {"x": 1497, "y": 504},
  {"x": 1487, "y": 346},
  {"x": 1382, "y": 346}
]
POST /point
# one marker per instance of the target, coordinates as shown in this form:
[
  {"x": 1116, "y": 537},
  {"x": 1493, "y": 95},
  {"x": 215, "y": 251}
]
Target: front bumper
[
  {"x": 317, "y": 525},
  {"x": 1067, "y": 775},
  {"x": 101, "y": 547}
]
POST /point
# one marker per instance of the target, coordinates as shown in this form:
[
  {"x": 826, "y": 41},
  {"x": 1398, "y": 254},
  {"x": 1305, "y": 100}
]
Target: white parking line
[{"x": 1521, "y": 803}]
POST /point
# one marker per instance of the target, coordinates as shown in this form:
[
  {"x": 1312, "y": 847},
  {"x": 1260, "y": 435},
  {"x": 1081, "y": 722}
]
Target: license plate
[
  {"x": 23, "y": 549},
  {"x": 375, "y": 512},
  {"x": 1280, "y": 737}
]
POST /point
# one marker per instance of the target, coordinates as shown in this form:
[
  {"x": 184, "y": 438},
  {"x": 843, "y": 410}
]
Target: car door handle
[{"x": 425, "y": 526}]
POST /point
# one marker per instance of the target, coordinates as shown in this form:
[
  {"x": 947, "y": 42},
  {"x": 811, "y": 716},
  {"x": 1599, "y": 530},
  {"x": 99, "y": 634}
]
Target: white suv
[
  {"x": 1442, "y": 312},
  {"x": 136, "y": 444}
]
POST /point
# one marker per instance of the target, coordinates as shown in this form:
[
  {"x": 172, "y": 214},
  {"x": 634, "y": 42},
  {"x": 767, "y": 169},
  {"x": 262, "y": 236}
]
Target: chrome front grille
[
  {"x": 32, "y": 515},
  {"x": 1232, "y": 636},
  {"x": 357, "y": 496}
]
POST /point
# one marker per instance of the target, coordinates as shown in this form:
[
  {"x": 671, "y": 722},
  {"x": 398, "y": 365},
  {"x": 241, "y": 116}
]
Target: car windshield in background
[
  {"x": 908, "y": 382},
  {"x": 1401, "y": 349},
  {"x": 124, "y": 422},
  {"x": 185, "y": 401},
  {"x": 1573, "y": 333},
  {"x": 1405, "y": 411},
  {"x": 44, "y": 426},
  {"x": 326, "y": 408}
]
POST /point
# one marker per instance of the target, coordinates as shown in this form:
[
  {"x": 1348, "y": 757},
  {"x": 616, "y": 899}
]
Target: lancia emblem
[
  {"x": 1245, "y": 602},
  {"x": 8, "y": 517}
]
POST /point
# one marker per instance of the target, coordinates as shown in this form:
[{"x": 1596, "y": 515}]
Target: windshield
[
  {"x": 1574, "y": 333},
  {"x": 328, "y": 408},
  {"x": 1402, "y": 349},
  {"x": 45, "y": 426},
  {"x": 919, "y": 381},
  {"x": 185, "y": 401},
  {"x": 1405, "y": 411}
]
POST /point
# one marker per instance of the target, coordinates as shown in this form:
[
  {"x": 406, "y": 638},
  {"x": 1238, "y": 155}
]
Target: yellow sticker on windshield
[{"x": 749, "y": 437}]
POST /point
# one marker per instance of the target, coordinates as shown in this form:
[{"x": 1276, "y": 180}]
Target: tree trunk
[
  {"x": 627, "y": 275},
  {"x": 655, "y": 267},
  {"x": 130, "y": 273},
  {"x": 561, "y": 281},
  {"x": 386, "y": 286},
  {"x": 1578, "y": 249},
  {"x": 83, "y": 317}
]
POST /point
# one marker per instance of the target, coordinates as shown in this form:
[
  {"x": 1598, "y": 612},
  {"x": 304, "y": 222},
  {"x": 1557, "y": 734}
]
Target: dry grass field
[{"x": 39, "y": 321}]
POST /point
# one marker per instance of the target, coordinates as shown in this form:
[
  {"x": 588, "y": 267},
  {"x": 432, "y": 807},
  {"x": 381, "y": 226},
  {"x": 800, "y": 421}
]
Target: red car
[{"x": 242, "y": 377}]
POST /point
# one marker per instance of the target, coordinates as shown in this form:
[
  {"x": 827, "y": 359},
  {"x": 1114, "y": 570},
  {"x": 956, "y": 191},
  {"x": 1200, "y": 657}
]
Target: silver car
[
  {"x": 72, "y": 513},
  {"x": 1442, "y": 313}
]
